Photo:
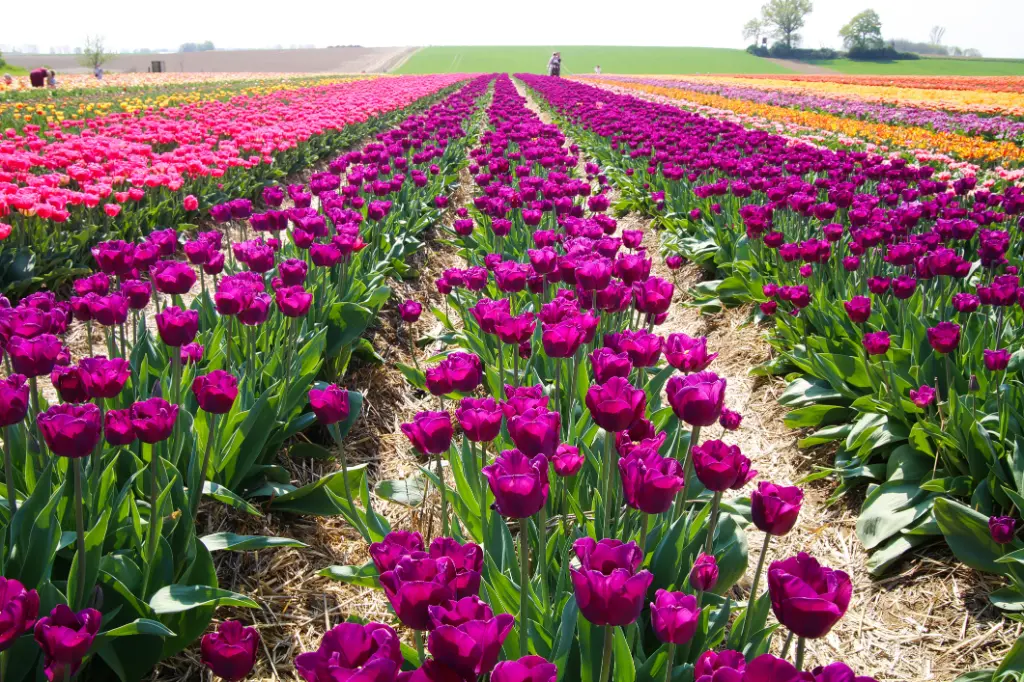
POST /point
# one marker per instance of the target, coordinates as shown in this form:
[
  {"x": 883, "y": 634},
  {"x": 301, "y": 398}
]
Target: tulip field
[{"x": 413, "y": 344}]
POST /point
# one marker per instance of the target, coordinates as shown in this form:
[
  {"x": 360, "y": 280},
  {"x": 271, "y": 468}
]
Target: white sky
[{"x": 992, "y": 26}]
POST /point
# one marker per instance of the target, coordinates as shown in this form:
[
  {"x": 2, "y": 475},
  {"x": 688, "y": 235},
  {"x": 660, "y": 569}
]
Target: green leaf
[
  {"x": 364, "y": 576},
  {"x": 243, "y": 543},
  {"x": 178, "y": 598},
  {"x": 140, "y": 626},
  {"x": 566, "y": 635},
  {"x": 816, "y": 415},
  {"x": 968, "y": 536},
  {"x": 223, "y": 494},
  {"x": 408, "y": 491},
  {"x": 890, "y": 508},
  {"x": 623, "y": 670},
  {"x": 1012, "y": 666},
  {"x": 1009, "y": 598}
]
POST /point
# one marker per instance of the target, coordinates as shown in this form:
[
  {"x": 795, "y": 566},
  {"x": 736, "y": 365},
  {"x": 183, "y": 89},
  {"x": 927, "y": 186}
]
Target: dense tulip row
[
  {"x": 775, "y": 107},
  {"x": 121, "y": 461},
  {"x": 894, "y": 296},
  {"x": 1009, "y": 84},
  {"x": 65, "y": 187},
  {"x": 766, "y": 92},
  {"x": 622, "y": 551}
]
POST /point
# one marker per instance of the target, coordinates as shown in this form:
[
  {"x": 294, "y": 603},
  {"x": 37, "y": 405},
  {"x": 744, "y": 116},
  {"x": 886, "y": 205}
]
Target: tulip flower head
[
  {"x": 519, "y": 483},
  {"x": 674, "y": 616},
  {"x": 71, "y": 431},
  {"x": 525, "y": 669},
  {"x": 774, "y": 509},
  {"x": 1002, "y": 529},
  {"x": 14, "y": 398},
  {"x": 215, "y": 392},
  {"x": 704, "y": 573},
  {"x": 19, "y": 609},
  {"x": 330, "y": 404},
  {"x": 353, "y": 651},
  {"x": 230, "y": 652},
  {"x": 720, "y": 466},
  {"x": 806, "y": 597},
  {"x": 416, "y": 583},
  {"x": 65, "y": 638},
  {"x": 429, "y": 432},
  {"x": 609, "y": 586},
  {"x": 395, "y": 545},
  {"x": 615, "y": 404},
  {"x": 697, "y": 398}
]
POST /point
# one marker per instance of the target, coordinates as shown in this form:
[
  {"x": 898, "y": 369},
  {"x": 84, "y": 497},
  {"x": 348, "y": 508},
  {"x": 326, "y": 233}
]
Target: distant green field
[
  {"x": 582, "y": 59},
  {"x": 13, "y": 70},
  {"x": 929, "y": 66}
]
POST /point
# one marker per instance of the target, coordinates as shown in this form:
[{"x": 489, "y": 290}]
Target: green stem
[
  {"x": 197, "y": 494},
  {"x": 76, "y": 464},
  {"x": 709, "y": 542},
  {"x": 670, "y": 661},
  {"x": 644, "y": 522},
  {"x": 688, "y": 468},
  {"x": 606, "y": 472},
  {"x": 418, "y": 637},
  {"x": 524, "y": 586},
  {"x": 800, "y": 644},
  {"x": 572, "y": 395},
  {"x": 606, "y": 662},
  {"x": 483, "y": 493},
  {"x": 785, "y": 646},
  {"x": 753, "y": 588},
  {"x": 151, "y": 539},
  {"x": 444, "y": 495},
  {"x": 558, "y": 382},
  {"x": 542, "y": 558},
  {"x": 12, "y": 493}
]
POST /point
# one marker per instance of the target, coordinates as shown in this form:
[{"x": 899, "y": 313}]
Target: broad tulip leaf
[
  {"x": 364, "y": 576},
  {"x": 140, "y": 626},
  {"x": 242, "y": 543}
]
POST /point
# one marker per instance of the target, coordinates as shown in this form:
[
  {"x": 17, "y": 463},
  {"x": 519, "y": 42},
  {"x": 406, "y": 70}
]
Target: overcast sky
[{"x": 992, "y": 26}]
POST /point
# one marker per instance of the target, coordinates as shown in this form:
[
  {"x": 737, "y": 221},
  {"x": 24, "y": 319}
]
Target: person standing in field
[
  {"x": 555, "y": 64},
  {"x": 597, "y": 69},
  {"x": 98, "y": 72}
]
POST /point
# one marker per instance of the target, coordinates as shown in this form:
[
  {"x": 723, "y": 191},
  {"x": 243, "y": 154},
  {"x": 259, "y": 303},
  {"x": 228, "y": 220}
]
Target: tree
[
  {"x": 864, "y": 32},
  {"x": 784, "y": 18},
  {"x": 753, "y": 29},
  {"x": 936, "y": 35},
  {"x": 972, "y": 52},
  {"x": 94, "y": 53}
]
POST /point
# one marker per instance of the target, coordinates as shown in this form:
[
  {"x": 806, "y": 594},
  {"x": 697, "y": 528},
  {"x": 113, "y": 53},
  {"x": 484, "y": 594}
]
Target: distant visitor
[
  {"x": 597, "y": 69},
  {"x": 98, "y": 72},
  {"x": 555, "y": 64},
  {"x": 38, "y": 77}
]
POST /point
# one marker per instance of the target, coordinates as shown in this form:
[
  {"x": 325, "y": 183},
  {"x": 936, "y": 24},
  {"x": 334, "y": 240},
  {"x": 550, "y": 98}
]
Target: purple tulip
[
  {"x": 416, "y": 583},
  {"x": 36, "y": 356},
  {"x": 858, "y": 309},
  {"x": 944, "y": 337},
  {"x": 410, "y": 311},
  {"x": 191, "y": 353},
  {"x": 479, "y": 418},
  {"x": 562, "y": 339},
  {"x": 609, "y": 588},
  {"x": 395, "y": 545},
  {"x": 432, "y": 670},
  {"x": 526, "y": 669},
  {"x": 177, "y": 327},
  {"x": 519, "y": 484},
  {"x": 1002, "y": 529},
  {"x": 720, "y": 666},
  {"x": 114, "y": 257},
  {"x": 13, "y": 399},
  {"x": 153, "y": 419},
  {"x": 232, "y": 297},
  {"x": 650, "y": 482},
  {"x": 468, "y": 560},
  {"x": 729, "y": 420},
  {"x": 460, "y": 611},
  {"x": 69, "y": 384},
  {"x": 704, "y": 573},
  {"x": 996, "y": 360},
  {"x": 172, "y": 277},
  {"x": 429, "y": 432},
  {"x": 471, "y": 648},
  {"x": 835, "y": 672},
  {"x": 71, "y": 431},
  {"x": 437, "y": 380},
  {"x": 653, "y": 296},
  {"x": 515, "y": 329},
  {"x": 615, "y": 404},
  {"x": 215, "y": 392},
  {"x": 522, "y": 398},
  {"x": 104, "y": 378},
  {"x": 230, "y": 652},
  {"x": 535, "y": 431},
  {"x": 923, "y": 396},
  {"x": 607, "y": 363},
  {"x": 688, "y": 354},
  {"x": 293, "y": 272},
  {"x": 876, "y": 343},
  {"x": 808, "y": 598},
  {"x": 109, "y": 311},
  {"x": 293, "y": 301},
  {"x": 350, "y": 651},
  {"x": 256, "y": 312},
  {"x": 567, "y": 460},
  {"x": 65, "y": 638},
  {"x": 330, "y": 404},
  {"x": 774, "y": 508},
  {"x": 642, "y": 347},
  {"x": 674, "y": 616},
  {"x": 720, "y": 466},
  {"x": 18, "y": 611},
  {"x": 697, "y": 398},
  {"x": 118, "y": 429}
]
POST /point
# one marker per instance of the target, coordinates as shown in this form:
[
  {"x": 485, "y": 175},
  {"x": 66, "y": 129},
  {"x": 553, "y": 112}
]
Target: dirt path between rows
[
  {"x": 801, "y": 67},
  {"x": 929, "y": 619}
]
